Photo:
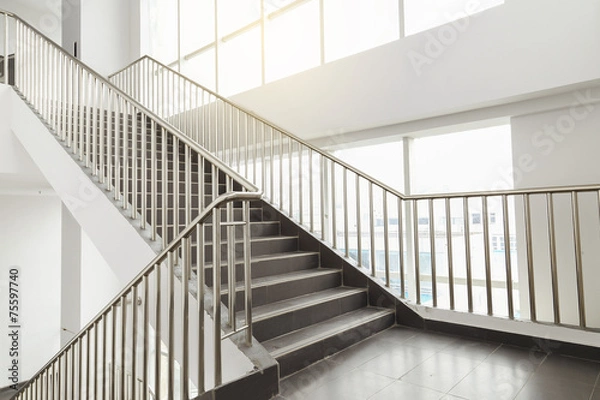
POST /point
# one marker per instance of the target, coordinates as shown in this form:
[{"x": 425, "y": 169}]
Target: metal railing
[
  {"x": 186, "y": 197},
  {"x": 456, "y": 251},
  {"x": 155, "y": 311}
]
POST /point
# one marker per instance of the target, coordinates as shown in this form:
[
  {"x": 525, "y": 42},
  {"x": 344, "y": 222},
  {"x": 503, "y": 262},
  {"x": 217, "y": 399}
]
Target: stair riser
[
  {"x": 261, "y": 269},
  {"x": 297, "y": 360},
  {"x": 286, "y": 290},
  {"x": 273, "y": 246},
  {"x": 281, "y": 324}
]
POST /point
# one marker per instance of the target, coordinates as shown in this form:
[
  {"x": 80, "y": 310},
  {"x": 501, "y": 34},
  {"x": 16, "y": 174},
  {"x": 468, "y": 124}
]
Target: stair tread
[
  {"x": 273, "y": 309},
  {"x": 300, "y": 338},
  {"x": 296, "y": 275},
  {"x": 259, "y": 239}
]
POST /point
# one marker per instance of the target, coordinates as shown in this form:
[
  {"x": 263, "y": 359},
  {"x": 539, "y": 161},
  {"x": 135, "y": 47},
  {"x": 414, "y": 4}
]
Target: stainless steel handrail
[
  {"x": 267, "y": 123},
  {"x": 158, "y": 173},
  {"x": 345, "y": 165},
  {"x": 381, "y": 229},
  {"x": 176, "y": 132},
  {"x": 162, "y": 257}
]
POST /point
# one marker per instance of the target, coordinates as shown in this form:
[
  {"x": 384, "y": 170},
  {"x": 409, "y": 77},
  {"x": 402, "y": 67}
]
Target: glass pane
[
  {"x": 201, "y": 69},
  {"x": 194, "y": 34},
  {"x": 445, "y": 163},
  {"x": 243, "y": 50},
  {"x": 292, "y": 41},
  {"x": 352, "y": 26},
  {"x": 163, "y": 30},
  {"x": 420, "y": 15},
  {"x": 383, "y": 162},
  {"x": 235, "y": 14}
]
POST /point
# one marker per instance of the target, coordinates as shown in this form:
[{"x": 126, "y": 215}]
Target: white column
[
  {"x": 70, "y": 276},
  {"x": 407, "y": 159}
]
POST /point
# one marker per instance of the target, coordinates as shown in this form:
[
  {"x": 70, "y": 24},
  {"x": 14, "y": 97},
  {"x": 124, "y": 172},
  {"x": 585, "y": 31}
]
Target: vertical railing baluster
[
  {"x": 158, "y": 330},
  {"x": 507, "y": 258},
  {"x": 578, "y": 258},
  {"x": 358, "y": 221},
  {"x": 322, "y": 191},
  {"x": 123, "y": 359},
  {"x": 200, "y": 296},
  {"x": 553, "y": 256},
  {"x": 449, "y": 251},
  {"x": 417, "y": 253},
  {"x": 432, "y": 253},
  {"x": 334, "y": 228},
  {"x": 247, "y": 271},
  {"x": 386, "y": 238},
  {"x": 346, "y": 212},
  {"x": 467, "y": 233},
  {"x": 134, "y": 339},
  {"x": 171, "y": 323},
  {"x": 488, "y": 261},
  {"x": 185, "y": 309},
  {"x": 217, "y": 295},
  {"x": 371, "y": 230},
  {"x": 311, "y": 200},
  {"x": 402, "y": 270}
]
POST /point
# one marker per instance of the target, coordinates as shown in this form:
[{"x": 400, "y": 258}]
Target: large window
[
  {"x": 292, "y": 41},
  {"x": 236, "y": 14},
  {"x": 352, "y": 26},
  {"x": 479, "y": 159},
  {"x": 239, "y": 63},
  {"x": 247, "y": 43},
  {"x": 196, "y": 34},
  {"x": 202, "y": 68}
]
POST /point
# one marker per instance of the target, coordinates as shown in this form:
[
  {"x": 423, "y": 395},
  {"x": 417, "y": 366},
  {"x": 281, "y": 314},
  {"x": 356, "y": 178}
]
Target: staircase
[{"x": 302, "y": 311}]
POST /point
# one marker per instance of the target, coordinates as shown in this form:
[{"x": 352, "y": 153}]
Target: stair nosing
[
  {"x": 349, "y": 291},
  {"x": 378, "y": 313}
]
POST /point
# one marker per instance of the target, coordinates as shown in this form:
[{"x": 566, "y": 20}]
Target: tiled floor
[{"x": 402, "y": 363}]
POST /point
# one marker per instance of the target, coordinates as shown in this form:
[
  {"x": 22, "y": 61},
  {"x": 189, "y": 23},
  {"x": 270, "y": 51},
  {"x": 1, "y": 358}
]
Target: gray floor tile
[
  {"x": 567, "y": 368},
  {"x": 432, "y": 341},
  {"x": 596, "y": 395},
  {"x": 451, "y": 397},
  {"x": 491, "y": 382},
  {"x": 396, "y": 334},
  {"x": 441, "y": 371},
  {"x": 302, "y": 383},
  {"x": 355, "y": 385},
  {"x": 405, "y": 390},
  {"x": 361, "y": 353},
  {"x": 474, "y": 349},
  {"x": 397, "y": 361},
  {"x": 551, "y": 389},
  {"x": 521, "y": 359}
]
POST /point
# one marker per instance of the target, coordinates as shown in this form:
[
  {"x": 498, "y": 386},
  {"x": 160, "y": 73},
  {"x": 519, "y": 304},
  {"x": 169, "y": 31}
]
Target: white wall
[
  {"x": 508, "y": 53},
  {"x": 30, "y": 239},
  {"x": 99, "y": 284},
  {"x": 110, "y": 32},
  {"x": 45, "y": 15},
  {"x": 71, "y": 25}
]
